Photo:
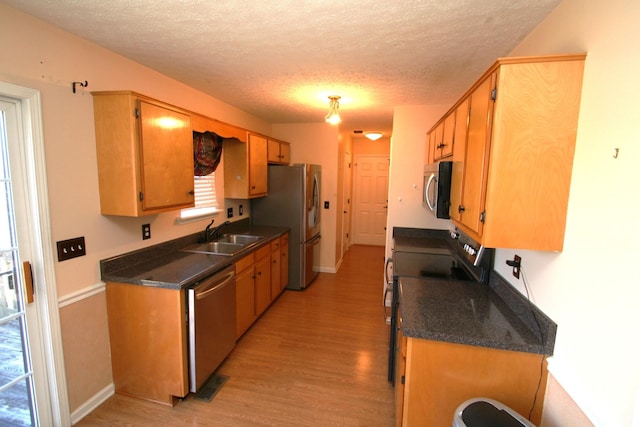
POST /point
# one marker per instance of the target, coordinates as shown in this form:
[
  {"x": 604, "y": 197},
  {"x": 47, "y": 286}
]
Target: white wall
[
  {"x": 591, "y": 289},
  {"x": 408, "y": 148}
]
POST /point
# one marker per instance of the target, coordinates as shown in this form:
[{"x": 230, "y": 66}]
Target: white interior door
[
  {"x": 346, "y": 205},
  {"x": 370, "y": 200},
  {"x": 30, "y": 344}
]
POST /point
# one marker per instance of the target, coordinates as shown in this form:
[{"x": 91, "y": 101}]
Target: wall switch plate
[
  {"x": 146, "y": 231},
  {"x": 71, "y": 248},
  {"x": 326, "y": 204},
  {"x": 240, "y": 210},
  {"x": 229, "y": 212}
]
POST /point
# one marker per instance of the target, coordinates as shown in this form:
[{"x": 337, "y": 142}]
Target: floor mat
[{"x": 211, "y": 387}]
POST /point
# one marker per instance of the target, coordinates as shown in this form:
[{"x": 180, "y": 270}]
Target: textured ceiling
[{"x": 281, "y": 59}]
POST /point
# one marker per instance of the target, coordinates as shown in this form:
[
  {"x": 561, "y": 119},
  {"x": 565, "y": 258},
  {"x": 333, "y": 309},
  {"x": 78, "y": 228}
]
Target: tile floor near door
[{"x": 317, "y": 357}]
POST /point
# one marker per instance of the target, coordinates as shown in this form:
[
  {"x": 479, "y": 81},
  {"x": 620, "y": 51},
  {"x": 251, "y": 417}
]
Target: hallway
[{"x": 316, "y": 358}]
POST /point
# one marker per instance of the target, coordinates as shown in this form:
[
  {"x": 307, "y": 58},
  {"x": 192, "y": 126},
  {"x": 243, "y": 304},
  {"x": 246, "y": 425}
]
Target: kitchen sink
[
  {"x": 216, "y": 248},
  {"x": 227, "y": 244},
  {"x": 240, "y": 239}
]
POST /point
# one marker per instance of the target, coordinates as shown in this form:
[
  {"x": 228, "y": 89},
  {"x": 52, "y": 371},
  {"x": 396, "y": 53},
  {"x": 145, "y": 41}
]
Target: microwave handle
[{"x": 432, "y": 179}]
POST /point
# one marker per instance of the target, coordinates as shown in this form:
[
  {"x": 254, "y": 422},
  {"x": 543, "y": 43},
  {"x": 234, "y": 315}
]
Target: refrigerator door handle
[{"x": 313, "y": 241}]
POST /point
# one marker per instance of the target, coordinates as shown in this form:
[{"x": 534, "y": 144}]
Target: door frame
[{"x": 48, "y": 313}]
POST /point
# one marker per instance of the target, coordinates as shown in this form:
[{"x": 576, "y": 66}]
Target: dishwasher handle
[{"x": 213, "y": 285}]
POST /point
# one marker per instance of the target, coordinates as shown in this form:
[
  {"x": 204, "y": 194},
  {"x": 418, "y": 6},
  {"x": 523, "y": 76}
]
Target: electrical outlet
[
  {"x": 326, "y": 204},
  {"x": 230, "y": 212},
  {"x": 71, "y": 248},
  {"x": 240, "y": 210},
  {"x": 517, "y": 261},
  {"x": 146, "y": 231}
]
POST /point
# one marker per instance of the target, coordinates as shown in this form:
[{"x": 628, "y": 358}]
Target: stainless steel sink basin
[
  {"x": 240, "y": 239},
  {"x": 216, "y": 248}
]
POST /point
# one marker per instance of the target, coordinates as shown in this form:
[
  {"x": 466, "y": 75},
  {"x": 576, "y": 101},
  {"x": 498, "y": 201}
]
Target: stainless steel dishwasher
[{"x": 212, "y": 324}]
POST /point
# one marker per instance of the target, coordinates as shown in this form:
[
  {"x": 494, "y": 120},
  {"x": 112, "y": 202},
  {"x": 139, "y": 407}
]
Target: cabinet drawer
[
  {"x": 244, "y": 263},
  {"x": 263, "y": 252}
]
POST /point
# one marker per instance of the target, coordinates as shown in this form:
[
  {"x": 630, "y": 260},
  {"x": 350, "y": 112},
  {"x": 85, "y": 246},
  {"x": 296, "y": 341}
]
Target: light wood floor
[{"x": 317, "y": 357}]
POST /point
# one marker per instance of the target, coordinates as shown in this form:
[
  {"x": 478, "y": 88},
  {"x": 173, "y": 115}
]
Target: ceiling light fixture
[
  {"x": 332, "y": 116},
  {"x": 373, "y": 135}
]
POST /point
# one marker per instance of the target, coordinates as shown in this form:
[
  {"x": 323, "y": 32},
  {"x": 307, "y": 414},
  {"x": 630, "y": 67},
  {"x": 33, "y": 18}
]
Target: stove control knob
[
  {"x": 454, "y": 235},
  {"x": 471, "y": 251}
]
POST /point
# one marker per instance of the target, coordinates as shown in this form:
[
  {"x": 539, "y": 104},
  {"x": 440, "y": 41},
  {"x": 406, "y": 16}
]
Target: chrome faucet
[{"x": 210, "y": 233}]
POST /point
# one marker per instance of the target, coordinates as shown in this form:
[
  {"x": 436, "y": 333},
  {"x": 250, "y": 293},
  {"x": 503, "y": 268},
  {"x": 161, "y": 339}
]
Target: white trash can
[{"x": 485, "y": 412}]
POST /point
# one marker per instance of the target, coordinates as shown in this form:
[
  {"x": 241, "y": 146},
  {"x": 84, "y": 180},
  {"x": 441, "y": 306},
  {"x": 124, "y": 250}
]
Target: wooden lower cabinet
[
  {"x": 259, "y": 281},
  {"x": 147, "y": 331},
  {"x": 263, "y": 279},
  {"x": 245, "y": 294},
  {"x": 275, "y": 269},
  {"x": 284, "y": 261},
  {"x": 439, "y": 376}
]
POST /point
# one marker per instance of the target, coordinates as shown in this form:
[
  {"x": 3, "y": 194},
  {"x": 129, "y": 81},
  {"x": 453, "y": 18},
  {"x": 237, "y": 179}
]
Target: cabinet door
[
  {"x": 262, "y": 280},
  {"x": 459, "y": 149},
  {"x": 430, "y": 148},
  {"x": 167, "y": 158},
  {"x": 438, "y": 141},
  {"x": 245, "y": 299},
  {"x": 275, "y": 269},
  {"x": 284, "y": 263},
  {"x": 257, "y": 165},
  {"x": 477, "y": 157},
  {"x": 285, "y": 153},
  {"x": 446, "y": 149},
  {"x": 273, "y": 151}
]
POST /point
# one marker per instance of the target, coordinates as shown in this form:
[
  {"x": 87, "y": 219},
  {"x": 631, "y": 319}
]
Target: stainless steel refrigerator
[{"x": 293, "y": 201}]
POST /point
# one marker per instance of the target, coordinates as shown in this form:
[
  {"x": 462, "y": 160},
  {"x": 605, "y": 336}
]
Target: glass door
[{"x": 17, "y": 398}]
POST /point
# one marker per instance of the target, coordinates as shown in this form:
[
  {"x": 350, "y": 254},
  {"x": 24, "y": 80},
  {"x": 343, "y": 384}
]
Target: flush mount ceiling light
[
  {"x": 332, "y": 116},
  {"x": 373, "y": 135}
]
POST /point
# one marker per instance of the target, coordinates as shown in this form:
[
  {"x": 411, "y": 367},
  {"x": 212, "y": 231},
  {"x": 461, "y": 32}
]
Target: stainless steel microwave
[{"x": 436, "y": 188}]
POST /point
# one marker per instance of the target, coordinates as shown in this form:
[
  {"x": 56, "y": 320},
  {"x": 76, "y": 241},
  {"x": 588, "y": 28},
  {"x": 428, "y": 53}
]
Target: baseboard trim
[
  {"x": 327, "y": 270},
  {"x": 91, "y": 404}
]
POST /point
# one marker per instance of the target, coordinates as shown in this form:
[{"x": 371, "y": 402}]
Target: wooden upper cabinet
[
  {"x": 468, "y": 210},
  {"x": 278, "y": 152},
  {"x": 459, "y": 151},
  {"x": 245, "y": 167},
  {"x": 519, "y": 152},
  {"x": 447, "y": 129},
  {"x": 145, "y": 155},
  {"x": 257, "y": 165}
]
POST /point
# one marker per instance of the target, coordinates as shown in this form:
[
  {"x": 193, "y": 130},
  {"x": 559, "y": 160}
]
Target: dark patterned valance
[{"x": 207, "y": 150}]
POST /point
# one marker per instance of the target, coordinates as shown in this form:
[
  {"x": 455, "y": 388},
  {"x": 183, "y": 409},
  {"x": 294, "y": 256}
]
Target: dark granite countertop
[
  {"x": 166, "y": 266},
  {"x": 493, "y": 315},
  {"x": 421, "y": 240}
]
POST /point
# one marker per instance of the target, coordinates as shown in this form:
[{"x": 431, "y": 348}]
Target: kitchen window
[
  {"x": 206, "y": 201},
  {"x": 207, "y": 152}
]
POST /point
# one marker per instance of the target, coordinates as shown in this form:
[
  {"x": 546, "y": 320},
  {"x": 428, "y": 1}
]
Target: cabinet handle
[{"x": 460, "y": 209}]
